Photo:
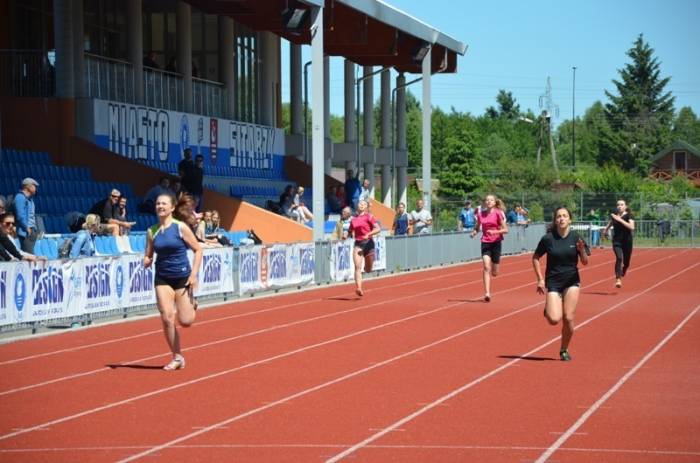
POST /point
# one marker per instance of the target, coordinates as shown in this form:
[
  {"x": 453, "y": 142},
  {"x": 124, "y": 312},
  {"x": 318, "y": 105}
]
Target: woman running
[
  {"x": 363, "y": 227},
  {"x": 175, "y": 281},
  {"x": 564, "y": 248},
  {"x": 623, "y": 226},
  {"x": 491, "y": 221}
]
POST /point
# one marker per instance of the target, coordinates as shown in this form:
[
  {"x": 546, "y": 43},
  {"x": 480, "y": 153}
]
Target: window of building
[
  {"x": 246, "y": 74},
  {"x": 680, "y": 159}
]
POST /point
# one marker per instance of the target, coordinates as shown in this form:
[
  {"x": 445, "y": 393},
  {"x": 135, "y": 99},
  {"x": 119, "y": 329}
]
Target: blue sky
[{"x": 516, "y": 45}]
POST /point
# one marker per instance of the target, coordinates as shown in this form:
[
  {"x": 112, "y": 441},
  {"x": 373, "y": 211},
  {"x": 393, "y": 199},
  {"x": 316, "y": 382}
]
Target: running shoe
[
  {"x": 564, "y": 355},
  {"x": 359, "y": 292},
  {"x": 618, "y": 283},
  {"x": 487, "y": 298},
  {"x": 177, "y": 363}
]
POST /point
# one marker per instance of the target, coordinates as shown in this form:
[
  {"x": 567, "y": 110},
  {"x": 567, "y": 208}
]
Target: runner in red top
[
  {"x": 492, "y": 223},
  {"x": 363, "y": 227}
]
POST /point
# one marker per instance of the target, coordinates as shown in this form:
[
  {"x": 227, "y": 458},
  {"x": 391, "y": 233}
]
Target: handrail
[
  {"x": 106, "y": 58},
  {"x": 211, "y": 82}
]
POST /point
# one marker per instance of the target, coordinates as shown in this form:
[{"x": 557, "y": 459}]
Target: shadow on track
[
  {"x": 529, "y": 357},
  {"x": 135, "y": 366}
]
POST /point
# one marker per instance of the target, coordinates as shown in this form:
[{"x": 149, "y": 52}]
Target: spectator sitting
[
  {"x": 176, "y": 186},
  {"x": 352, "y": 189},
  {"x": 287, "y": 203},
  {"x": 208, "y": 225},
  {"x": 334, "y": 206},
  {"x": 107, "y": 209},
  {"x": 9, "y": 249},
  {"x": 305, "y": 214},
  {"x": 400, "y": 226},
  {"x": 343, "y": 226},
  {"x": 365, "y": 191},
  {"x": 467, "y": 218},
  {"x": 84, "y": 244},
  {"x": 150, "y": 60},
  {"x": 121, "y": 215},
  {"x": 74, "y": 221},
  {"x": 163, "y": 188},
  {"x": 25, "y": 214},
  {"x": 172, "y": 65},
  {"x": 511, "y": 217},
  {"x": 421, "y": 218},
  {"x": 186, "y": 210}
]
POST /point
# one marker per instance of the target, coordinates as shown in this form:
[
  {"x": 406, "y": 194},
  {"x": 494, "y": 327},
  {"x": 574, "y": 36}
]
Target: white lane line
[
  {"x": 340, "y": 446},
  {"x": 494, "y": 372},
  {"x": 587, "y": 414},
  {"x": 205, "y": 322},
  {"x": 245, "y": 366},
  {"x": 253, "y": 333},
  {"x": 380, "y": 364}
]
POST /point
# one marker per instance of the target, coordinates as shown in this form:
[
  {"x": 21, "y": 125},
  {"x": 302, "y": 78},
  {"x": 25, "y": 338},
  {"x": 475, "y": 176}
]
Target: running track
[{"x": 416, "y": 371}]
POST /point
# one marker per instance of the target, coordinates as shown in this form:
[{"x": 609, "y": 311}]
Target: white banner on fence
[
  {"x": 342, "y": 265},
  {"x": 277, "y": 266},
  {"x": 58, "y": 289}
]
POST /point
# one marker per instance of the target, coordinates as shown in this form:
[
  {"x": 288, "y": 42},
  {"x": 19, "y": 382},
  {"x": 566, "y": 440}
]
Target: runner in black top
[
  {"x": 564, "y": 248},
  {"x": 623, "y": 226}
]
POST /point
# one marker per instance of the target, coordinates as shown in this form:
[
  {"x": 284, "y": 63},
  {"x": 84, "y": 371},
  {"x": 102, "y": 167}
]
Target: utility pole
[
  {"x": 550, "y": 110},
  {"x": 573, "y": 121}
]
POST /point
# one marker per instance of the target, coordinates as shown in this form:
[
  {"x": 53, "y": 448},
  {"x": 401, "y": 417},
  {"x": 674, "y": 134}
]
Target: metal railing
[
  {"x": 163, "y": 89},
  {"x": 26, "y": 73},
  {"x": 649, "y": 233},
  {"x": 109, "y": 79},
  {"x": 208, "y": 97}
]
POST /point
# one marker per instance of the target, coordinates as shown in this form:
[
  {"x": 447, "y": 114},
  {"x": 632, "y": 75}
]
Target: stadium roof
[{"x": 367, "y": 32}]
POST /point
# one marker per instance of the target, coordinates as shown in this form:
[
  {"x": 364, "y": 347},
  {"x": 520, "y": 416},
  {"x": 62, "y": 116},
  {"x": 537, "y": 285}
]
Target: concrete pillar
[
  {"x": 65, "y": 49},
  {"x": 368, "y": 122},
  {"x": 318, "y": 134},
  {"x": 427, "y": 116},
  {"x": 134, "y": 24},
  {"x": 387, "y": 173},
  {"x": 296, "y": 114},
  {"x": 350, "y": 120},
  {"x": 78, "y": 50},
  {"x": 328, "y": 162},
  {"x": 183, "y": 20},
  {"x": 226, "y": 74},
  {"x": 401, "y": 181},
  {"x": 401, "y": 178},
  {"x": 268, "y": 83}
]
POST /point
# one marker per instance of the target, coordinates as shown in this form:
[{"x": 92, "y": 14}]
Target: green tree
[
  {"x": 507, "y": 106},
  {"x": 640, "y": 113},
  {"x": 686, "y": 127}
]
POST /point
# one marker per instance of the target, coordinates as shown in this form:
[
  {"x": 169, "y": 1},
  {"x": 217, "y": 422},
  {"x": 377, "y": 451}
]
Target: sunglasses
[
  {"x": 7, "y": 224},
  {"x": 115, "y": 196}
]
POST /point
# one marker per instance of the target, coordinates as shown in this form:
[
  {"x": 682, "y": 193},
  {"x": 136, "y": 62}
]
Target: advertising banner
[
  {"x": 145, "y": 133},
  {"x": 342, "y": 265}
]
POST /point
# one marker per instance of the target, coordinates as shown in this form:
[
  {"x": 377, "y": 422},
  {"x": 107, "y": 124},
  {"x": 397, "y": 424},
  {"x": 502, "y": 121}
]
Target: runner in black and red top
[
  {"x": 363, "y": 227},
  {"x": 622, "y": 224},
  {"x": 564, "y": 248}
]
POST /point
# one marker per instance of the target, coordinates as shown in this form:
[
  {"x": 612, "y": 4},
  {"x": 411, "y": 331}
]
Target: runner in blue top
[{"x": 175, "y": 280}]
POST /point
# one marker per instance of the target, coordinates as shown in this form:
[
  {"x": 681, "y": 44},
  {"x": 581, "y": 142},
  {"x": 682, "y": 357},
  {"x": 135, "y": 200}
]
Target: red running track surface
[{"x": 418, "y": 370}]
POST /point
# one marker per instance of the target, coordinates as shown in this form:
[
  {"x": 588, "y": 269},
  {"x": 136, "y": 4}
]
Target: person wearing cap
[
  {"x": 25, "y": 214},
  {"x": 467, "y": 218}
]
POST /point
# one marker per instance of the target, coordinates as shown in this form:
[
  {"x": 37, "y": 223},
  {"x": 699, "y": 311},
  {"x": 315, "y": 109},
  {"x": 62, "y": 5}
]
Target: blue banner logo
[
  {"x": 307, "y": 261},
  {"x": 47, "y": 286},
  {"x": 278, "y": 265},
  {"x": 20, "y": 294},
  {"x": 140, "y": 278},
  {"x": 184, "y": 133},
  {"x": 120, "y": 281},
  {"x": 250, "y": 267},
  {"x": 97, "y": 280},
  {"x": 212, "y": 268}
]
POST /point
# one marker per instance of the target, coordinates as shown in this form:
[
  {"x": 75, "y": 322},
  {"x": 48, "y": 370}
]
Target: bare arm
[
  {"x": 538, "y": 273},
  {"x": 148, "y": 257},
  {"x": 580, "y": 248},
  {"x": 192, "y": 242},
  {"x": 627, "y": 224}
]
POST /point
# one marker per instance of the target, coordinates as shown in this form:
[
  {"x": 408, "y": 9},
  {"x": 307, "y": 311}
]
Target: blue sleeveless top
[{"x": 171, "y": 252}]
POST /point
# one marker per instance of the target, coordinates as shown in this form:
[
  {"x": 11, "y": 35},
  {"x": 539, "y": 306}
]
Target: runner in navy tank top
[
  {"x": 363, "y": 227},
  {"x": 564, "y": 248},
  {"x": 175, "y": 281}
]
